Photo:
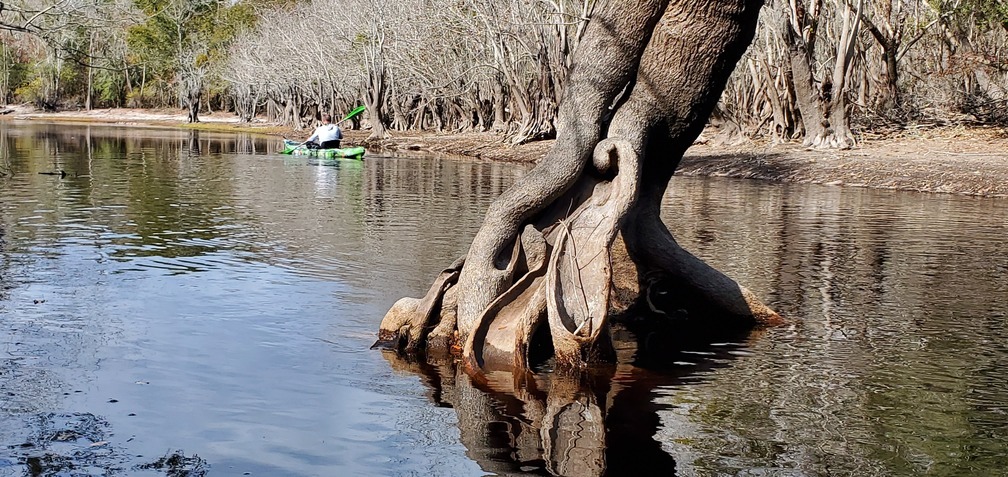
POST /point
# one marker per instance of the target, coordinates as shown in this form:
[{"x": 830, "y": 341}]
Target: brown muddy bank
[
  {"x": 949, "y": 160},
  {"x": 946, "y": 160}
]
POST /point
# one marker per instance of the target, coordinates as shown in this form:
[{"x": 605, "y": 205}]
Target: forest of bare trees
[{"x": 819, "y": 71}]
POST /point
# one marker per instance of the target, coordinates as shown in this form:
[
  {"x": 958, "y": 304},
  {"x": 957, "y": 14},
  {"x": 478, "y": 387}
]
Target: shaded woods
[{"x": 818, "y": 71}]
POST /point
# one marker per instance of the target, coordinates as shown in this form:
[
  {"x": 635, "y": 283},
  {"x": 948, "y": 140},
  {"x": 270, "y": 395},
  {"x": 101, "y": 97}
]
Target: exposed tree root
[
  {"x": 406, "y": 323},
  {"x": 649, "y": 242},
  {"x": 565, "y": 280},
  {"x": 503, "y": 331},
  {"x": 579, "y": 275}
]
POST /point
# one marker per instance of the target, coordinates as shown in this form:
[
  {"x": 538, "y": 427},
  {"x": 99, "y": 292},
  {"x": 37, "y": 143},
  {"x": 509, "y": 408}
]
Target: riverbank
[
  {"x": 970, "y": 161},
  {"x": 957, "y": 160}
]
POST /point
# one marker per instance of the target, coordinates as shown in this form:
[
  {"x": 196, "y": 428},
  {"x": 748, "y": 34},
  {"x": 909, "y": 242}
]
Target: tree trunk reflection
[{"x": 562, "y": 423}]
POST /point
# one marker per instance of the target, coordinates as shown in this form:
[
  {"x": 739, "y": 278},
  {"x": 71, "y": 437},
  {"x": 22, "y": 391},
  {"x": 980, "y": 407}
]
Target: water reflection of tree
[
  {"x": 890, "y": 367},
  {"x": 117, "y": 177},
  {"x": 5, "y": 165},
  {"x": 437, "y": 195},
  {"x": 5, "y": 170},
  {"x": 600, "y": 422}
]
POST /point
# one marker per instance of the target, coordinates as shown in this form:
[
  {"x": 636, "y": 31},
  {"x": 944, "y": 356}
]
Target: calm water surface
[{"x": 194, "y": 301}]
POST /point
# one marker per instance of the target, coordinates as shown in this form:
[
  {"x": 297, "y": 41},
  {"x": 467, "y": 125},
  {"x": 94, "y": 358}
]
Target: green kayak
[{"x": 297, "y": 149}]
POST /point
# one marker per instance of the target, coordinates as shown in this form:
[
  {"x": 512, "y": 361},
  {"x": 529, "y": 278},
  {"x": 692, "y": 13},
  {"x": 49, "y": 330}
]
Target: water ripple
[{"x": 244, "y": 291}]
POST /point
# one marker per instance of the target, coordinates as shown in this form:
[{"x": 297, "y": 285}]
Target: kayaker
[{"x": 326, "y": 136}]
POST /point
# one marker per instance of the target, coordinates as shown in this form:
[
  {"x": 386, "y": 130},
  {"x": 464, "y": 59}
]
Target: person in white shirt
[{"x": 326, "y": 136}]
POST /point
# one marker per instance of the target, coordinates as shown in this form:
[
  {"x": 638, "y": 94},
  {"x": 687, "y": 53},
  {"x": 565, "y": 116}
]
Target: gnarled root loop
[
  {"x": 579, "y": 276},
  {"x": 562, "y": 287}
]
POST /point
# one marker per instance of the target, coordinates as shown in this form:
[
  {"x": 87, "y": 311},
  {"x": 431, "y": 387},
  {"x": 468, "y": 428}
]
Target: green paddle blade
[{"x": 356, "y": 111}]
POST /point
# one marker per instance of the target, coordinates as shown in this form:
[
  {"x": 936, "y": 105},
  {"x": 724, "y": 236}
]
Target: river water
[{"x": 193, "y": 302}]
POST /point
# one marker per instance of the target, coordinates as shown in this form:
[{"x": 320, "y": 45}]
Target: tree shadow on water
[{"x": 601, "y": 421}]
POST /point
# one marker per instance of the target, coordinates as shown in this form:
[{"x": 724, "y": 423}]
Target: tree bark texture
[
  {"x": 579, "y": 237},
  {"x": 375, "y": 102}
]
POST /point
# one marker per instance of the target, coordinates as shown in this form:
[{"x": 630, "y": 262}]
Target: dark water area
[{"x": 185, "y": 302}]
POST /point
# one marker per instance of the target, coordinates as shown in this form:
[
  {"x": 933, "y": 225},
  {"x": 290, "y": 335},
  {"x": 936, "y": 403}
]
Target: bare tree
[
  {"x": 822, "y": 101},
  {"x": 191, "y": 81},
  {"x": 529, "y": 45},
  {"x": 370, "y": 43},
  {"x": 973, "y": 37},
  {"x": 39, "y": 17}
]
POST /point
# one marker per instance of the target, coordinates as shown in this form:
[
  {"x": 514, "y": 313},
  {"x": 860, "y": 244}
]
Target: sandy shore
[
  {"x": 958, "y": 160},
  {"x": 114, "y": 116},
  {"x": 970, "y": 161}
]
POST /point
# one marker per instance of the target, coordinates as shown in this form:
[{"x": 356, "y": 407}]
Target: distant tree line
[
  {"x": 819, "y": 70},
  {"x": 119, "y": 53}
]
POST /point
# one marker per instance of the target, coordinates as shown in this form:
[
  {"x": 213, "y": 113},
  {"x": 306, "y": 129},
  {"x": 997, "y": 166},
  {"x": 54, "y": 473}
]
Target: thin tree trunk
[
  {"x": 376, "y": 101},
  {"x": 499, "y": 107},
  {"x": 90, "y": 73}
]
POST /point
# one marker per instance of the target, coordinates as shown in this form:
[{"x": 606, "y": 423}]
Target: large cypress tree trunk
[{"x": 644, "y": 80}]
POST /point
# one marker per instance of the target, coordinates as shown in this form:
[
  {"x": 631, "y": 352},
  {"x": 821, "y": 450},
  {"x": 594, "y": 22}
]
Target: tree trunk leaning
[{"x": 644, "y": 80}]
